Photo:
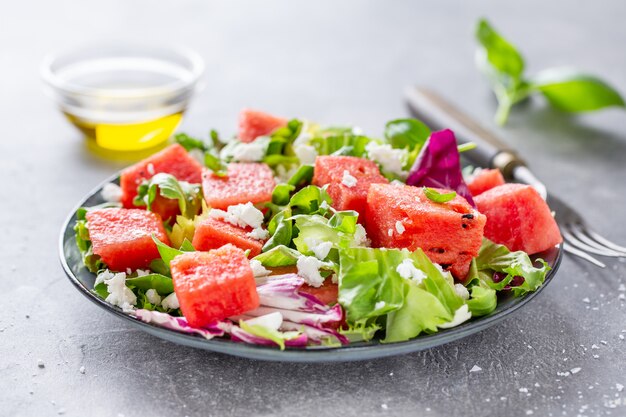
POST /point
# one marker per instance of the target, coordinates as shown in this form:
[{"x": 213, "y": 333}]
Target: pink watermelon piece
[
  {"x": 244, "y": 182},
  {"x": 172, "y": 160},
  {"x": 253, "y": 124},
  {"x": 213, "y": 285},
  {"x": 213, "y": 233},
  {"x": 330, "y": 170},
  {"x": 485, "y": 180},
  {"x": 401, "y": 216},
  {"x": 122, "y": 237},
  {"x": 518, "y": 218}
]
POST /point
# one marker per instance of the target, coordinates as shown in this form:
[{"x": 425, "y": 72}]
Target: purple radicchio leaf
[{"x": 439, "y": 165}]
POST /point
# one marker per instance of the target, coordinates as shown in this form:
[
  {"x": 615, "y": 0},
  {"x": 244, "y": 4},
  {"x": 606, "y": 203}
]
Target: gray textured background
[{"x": 333, "y": 62}]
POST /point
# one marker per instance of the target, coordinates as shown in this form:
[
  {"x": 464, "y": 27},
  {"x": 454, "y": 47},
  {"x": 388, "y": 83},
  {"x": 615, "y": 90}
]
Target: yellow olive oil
[{"x": 127, "y": 137}]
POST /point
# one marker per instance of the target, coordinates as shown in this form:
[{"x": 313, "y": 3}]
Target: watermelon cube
[
  {"x": 401, "y": 216},
  {"x": 123, "y": 237},
  {"x": 244, "y": 182},
  {"x": 213, "y": 233},
  {"x": 213, "y": 285},
  {"x": 253, "y": 124},
  {"x": 518, "y": 218},
  {"x": 348, "y": 180},
  {"x": 172, "y": 160},
  {"x": 485, "y": 180}
]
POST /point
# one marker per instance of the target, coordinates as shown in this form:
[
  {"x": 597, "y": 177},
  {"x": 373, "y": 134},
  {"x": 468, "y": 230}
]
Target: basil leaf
[
  {"x": 304, "y": 175},
  {"x": 282, "y": 194},
  {"x": 437, "y": 197},
  {"x": 406, "y": 133},
  {"x": 190, "y": 143},
  {"x": 161, "y": 283},
  {"x": 572, "y": 91},
  {"x": 188, "y": 195},
  {"x": 500, "y": 54},
  {"x": 215, "y": 164}
]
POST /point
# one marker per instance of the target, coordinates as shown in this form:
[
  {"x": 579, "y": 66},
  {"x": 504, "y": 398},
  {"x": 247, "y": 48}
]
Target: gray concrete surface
[{"x": 334, "y": 62}]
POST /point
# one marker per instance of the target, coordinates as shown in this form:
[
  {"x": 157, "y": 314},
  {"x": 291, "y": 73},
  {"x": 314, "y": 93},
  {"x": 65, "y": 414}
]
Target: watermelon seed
[
  {"x": 467, "y": 216},
  {"x": 464, "y": 226}
]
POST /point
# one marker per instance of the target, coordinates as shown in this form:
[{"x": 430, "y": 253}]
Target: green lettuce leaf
[
  {"x": 493, "y": 257},
  {"x": 161, "y": 283},
  {"x": 406, "y": 133},
  {"x": 278, "y": 256}
]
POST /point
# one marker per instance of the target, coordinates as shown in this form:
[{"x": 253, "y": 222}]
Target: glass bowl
[{"x": 124, "y": 97}]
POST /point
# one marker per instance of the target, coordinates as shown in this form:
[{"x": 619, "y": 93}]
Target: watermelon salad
[{"x": 291, "y": 234}]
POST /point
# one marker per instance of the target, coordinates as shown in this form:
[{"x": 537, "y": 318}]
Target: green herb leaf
[
  {"x": 406, "y": 133},
  {"x": 572, "y": 91},
  {"x": 161, "y": 283},
  {"x": 167, "y": 253},
  {"x": 464, "y": 147},
  {"x": 215, "y": 164},
  {"x": 188, "y": 195},
  {"x": 190, "y": 143},
  {"x": 438, "y": 197},
  {"x": 280, "y": 229},
  {"x": 500, "y": 54}
]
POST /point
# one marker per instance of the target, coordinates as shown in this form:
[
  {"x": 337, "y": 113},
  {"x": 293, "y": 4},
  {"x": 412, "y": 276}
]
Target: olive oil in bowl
[{"x": 124, "y": 98}]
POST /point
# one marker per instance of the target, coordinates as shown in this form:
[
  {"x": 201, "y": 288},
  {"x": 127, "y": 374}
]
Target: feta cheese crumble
[
  {"x": 242, "y": 215},
  {"x": 258, "y": 269},
  {"x": 347, "y": 179},
  {"x": 390, "y": 232},
  {"x": 320, "y": 249},
  {"x": 407, "y": 270},
  {"x": 170, "y": 302},
  {"x": 259, "y": 234},
  {"x": 111, "y": 193},
  {"x": 305, "y": 153},
  {"x": 400, "y": 227},
  {"x": 119, "y": 294},
  {"x": 308, "y": 268},
  {"x": 390, "y": 160},
  {"x": 461, "y": 291},
  {"x": 461, "y": 315},
  {"x": 360, "y": 236},
  {"x": 153, "y": 297},
  {"x": 250, "y": 152},
  {"x": 271, "y": 321}
]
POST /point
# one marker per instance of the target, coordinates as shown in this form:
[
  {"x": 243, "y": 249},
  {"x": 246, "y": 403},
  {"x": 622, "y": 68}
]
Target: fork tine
[
  {"x": 606, "y": 242},
  {"x": 574, "y": 241},
  {"x": 583, "y": 255},
  {"x": 583, "y": 234}
]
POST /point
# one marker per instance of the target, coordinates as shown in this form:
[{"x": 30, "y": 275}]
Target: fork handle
[{"x": 439, "y": 114}]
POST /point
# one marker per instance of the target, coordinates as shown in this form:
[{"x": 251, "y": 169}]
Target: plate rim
[{"x": 305, "y": 355}]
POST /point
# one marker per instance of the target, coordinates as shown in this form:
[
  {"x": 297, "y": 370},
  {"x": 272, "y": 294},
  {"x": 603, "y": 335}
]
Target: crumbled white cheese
[
  {"x": 304, "y": 136},
  {"x": 153, "y": 297},
  {"x": 390, "y": 160},
  {"x": 81, "y": 369},
  {"x": 259, "y": 233},
  {"x": 324, "y": 205},
  {"x": 390, "y": 232},
  {"x": 347, "y": 179},
  {"x": 305, "y": 153},
  {"x": 308, "y": 268},
  {"x": 575, "y": 370},
  {"x": 619, "y": 387},
  {"x": 360, "y": 237},
  {"x": 40, "y": 363},
  {"x": 250, "y": 152},
  {"x": 119, "y": 294},
  {"x": 170, "y": 302},
  {"x": 407, "y": 270},
  {"x": 320, "y": 249},
  {"x": 111, "y": 193},
  {"x": 334, "y": 279},
  {"x": 379, "y": 305},
  {"x": 258, "y": 269},
  {"x": 461, "y": 315},
  {"x": 143, "y": 272},
  {"x": 400, "y": 227},
  {"x": 461, "y": 291},
  {"x": 242, "y": 215}
]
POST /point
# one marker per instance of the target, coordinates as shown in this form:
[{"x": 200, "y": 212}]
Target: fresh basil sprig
[{"x": 565, "y": 89}]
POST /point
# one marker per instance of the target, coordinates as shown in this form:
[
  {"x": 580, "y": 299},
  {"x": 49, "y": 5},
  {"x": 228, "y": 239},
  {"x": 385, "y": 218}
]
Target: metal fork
[{"x": 580, "y": 240}]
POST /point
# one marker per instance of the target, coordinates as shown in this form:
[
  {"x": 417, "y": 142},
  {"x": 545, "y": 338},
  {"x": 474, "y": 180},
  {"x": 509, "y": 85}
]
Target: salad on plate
[{"x": 291, "y": 234}]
